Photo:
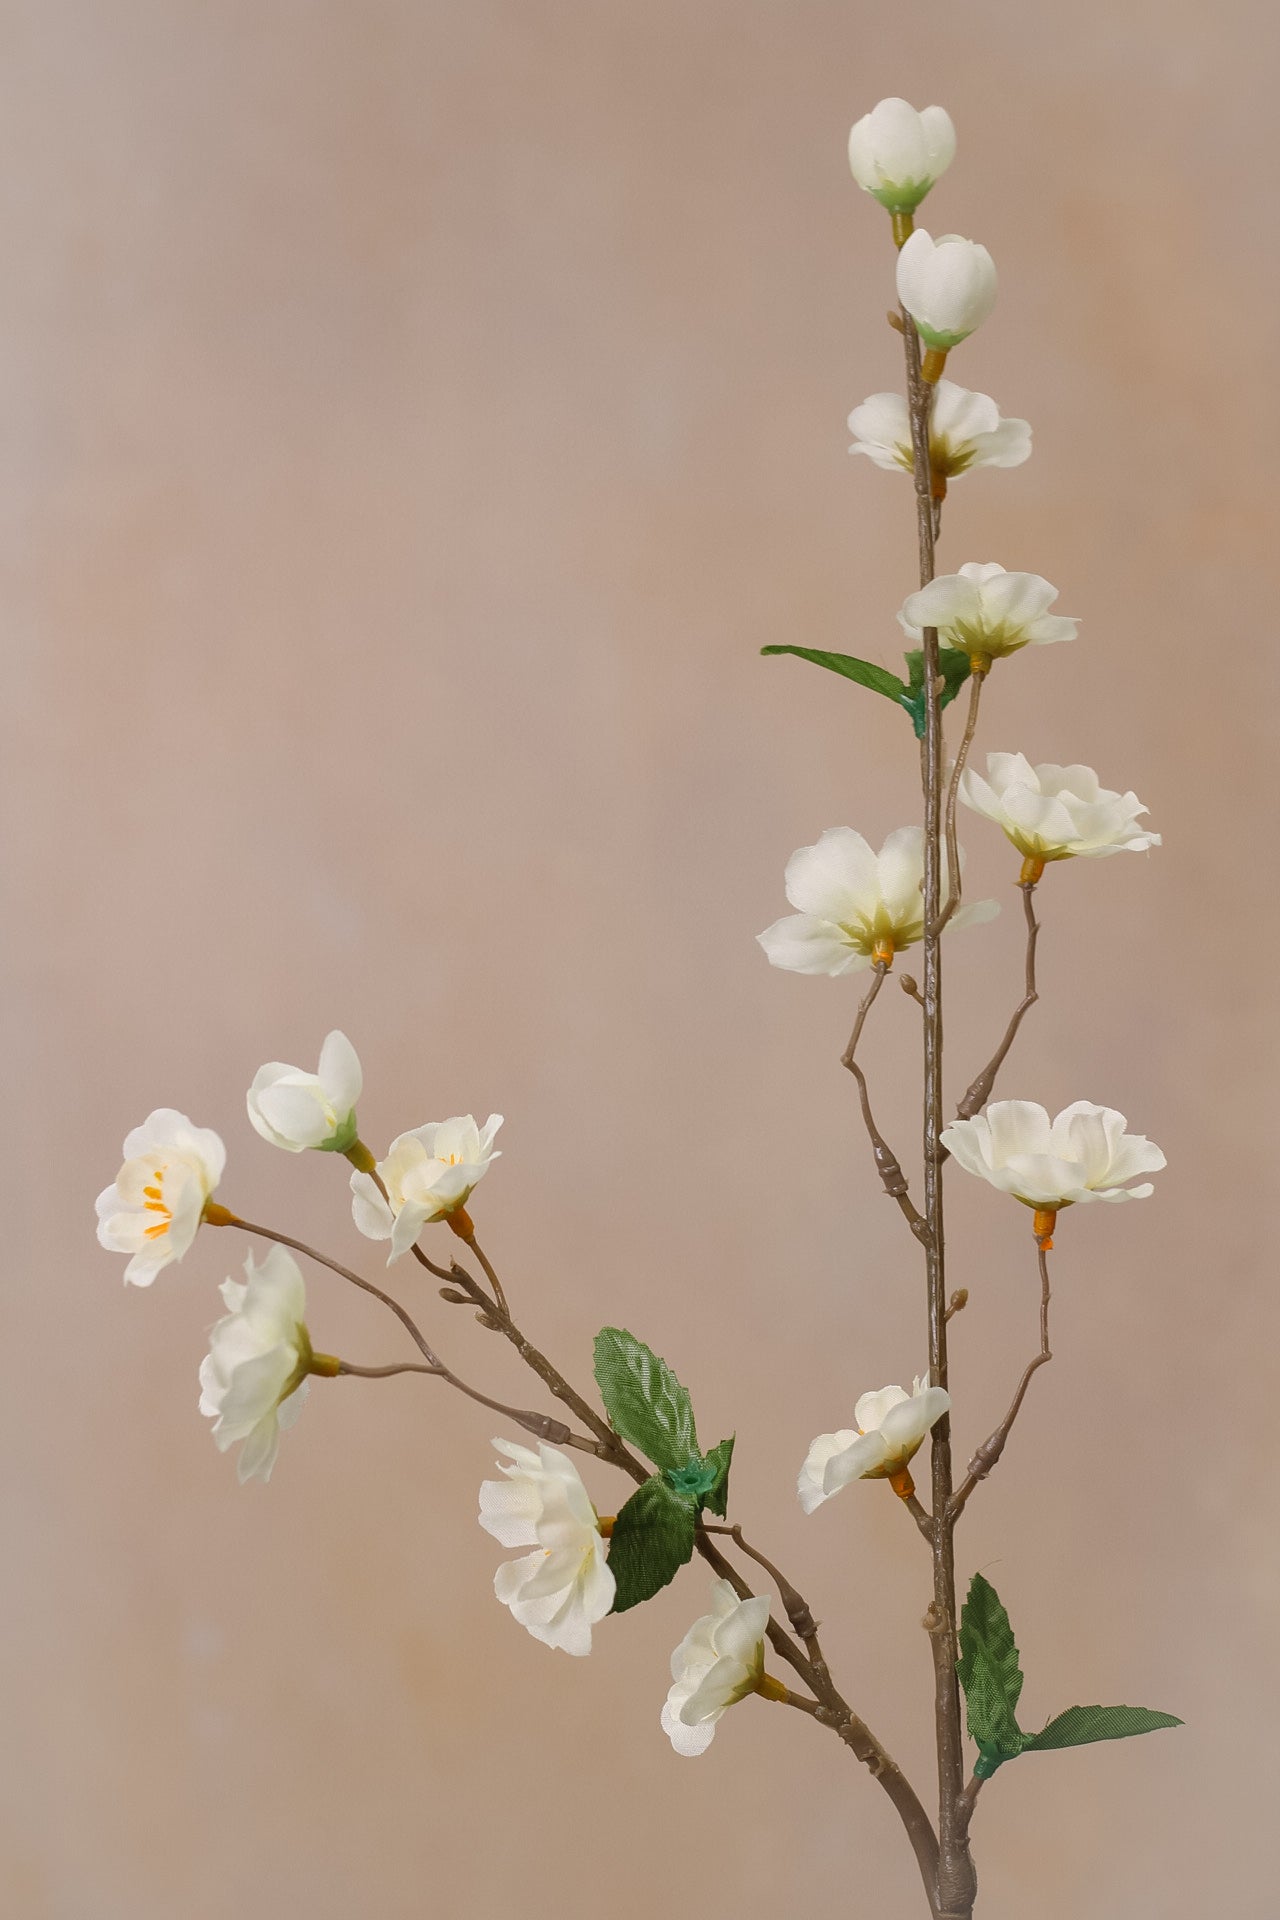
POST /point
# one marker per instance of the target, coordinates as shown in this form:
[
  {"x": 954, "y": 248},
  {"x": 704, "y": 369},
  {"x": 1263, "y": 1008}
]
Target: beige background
[{"x": 415, "y": 419}]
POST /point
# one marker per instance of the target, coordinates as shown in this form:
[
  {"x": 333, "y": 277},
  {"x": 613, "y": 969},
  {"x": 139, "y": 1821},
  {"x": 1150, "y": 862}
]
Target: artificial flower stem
[
  {"x": 902, "y": 1483},
  {"x": 327, "y": 1365},
  {"x": 1046, "y": 1218},
  {"x": 888, "y": 1166},
  {"x": 461, "y": 1223},
  {"x": 903, "y": 226},
  {"x": 993, "y": 1446},
  {"x": 1032, "y": 871},
  {"x": 216, "y": 1215},
  {"x": 361, "y": 1158},
  {"x": 980, "y": 1090},
  {"x": 978, "y": 673},
  {"x": 933, "y": 365},
  {"x": 770, "y": 1689}
]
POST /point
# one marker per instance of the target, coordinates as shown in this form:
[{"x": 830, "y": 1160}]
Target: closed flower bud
[
  {"x": 856, "y": 906},
  {"x": 719, "y": 1661},
  {"x": 1085, "y": 1154},
  {"x": 1056, "y": 813},
  {"x": 153, "y": 1208},
  {"x": 948, "y": 286},
  {"x": 254, "y": 1378},
  {"x": 891, "y": 1426},
  {"x": 987, "y": 612},
  {"x": 564, "y": 1587},
  {"x": 295, "y": 1110},
  {"x": 896, "y": 154}
]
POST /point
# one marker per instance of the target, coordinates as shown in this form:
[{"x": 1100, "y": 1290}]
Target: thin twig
[
  {"x": 788, "y": 1699},
  {"x": 980, "y": 1091},
  {"x": 553, "y": 1431},
  {"x": 993, "y": 1446},
  {"x": 954, "y": 878},
  {"x": 923, "y": 1519},
  {"x": 799, "y": 1612},
  {"x": 888, "y": 1166}
]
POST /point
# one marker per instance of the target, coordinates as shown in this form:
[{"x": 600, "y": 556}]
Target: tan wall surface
[{"x": 415, "y": 419}]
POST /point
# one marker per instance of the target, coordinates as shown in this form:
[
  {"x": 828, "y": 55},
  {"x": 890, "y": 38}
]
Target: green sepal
[
  {"x": 645, "y": 1402},
  {"x": 716, "y": 1498},
  {"x": 652, "y": 1539},
  {"x": 1081, "y": 1726},
  {"x": 865, "y": 672},
  {"x": 344, "y": 1139},
  {"x": 990, "y": 1674},
  {"x": 954, "y": 667}
]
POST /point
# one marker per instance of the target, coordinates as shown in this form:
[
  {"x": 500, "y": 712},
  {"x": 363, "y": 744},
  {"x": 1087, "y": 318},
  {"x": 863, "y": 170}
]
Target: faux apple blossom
[
  {"x": 896, "y": 154},
  {"x": 564, "y": 1587},
  {"x": 719, "y": 1661},
  {"x": 965, "y": 431},
  {"x": 253, "y": 1379},
  {"x": 891, "y": 1428},
  {"x": 1056, "y": 813},
  {"x": 295, "y": 1110},
  {"x": 1085, "y": 1154},
  {"x": 948, "y": 286},
  {"x": 427, "y": 1174},
  {"x": 856, "y": 906},
  {"x": 987, "y": 611},
  {"x": 153, "y": 1208}
]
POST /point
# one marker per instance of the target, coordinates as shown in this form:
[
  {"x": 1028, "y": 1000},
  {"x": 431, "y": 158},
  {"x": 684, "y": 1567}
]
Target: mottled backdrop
[{"x": 414, "y": 418}]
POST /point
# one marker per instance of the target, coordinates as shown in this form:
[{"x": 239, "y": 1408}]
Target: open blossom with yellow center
[
  {"x": 427, "y": 1174},
  {"x": 564, "y": 1587},
  {"x": 856, "y": 907},
  {"x": 965, "y": 431},
  {"x": 153, "y": 1208},
  {"x": 987, "y": 612},
  {"x": 891, "y": 1426},
  {"x": 1056, "y": 813}
]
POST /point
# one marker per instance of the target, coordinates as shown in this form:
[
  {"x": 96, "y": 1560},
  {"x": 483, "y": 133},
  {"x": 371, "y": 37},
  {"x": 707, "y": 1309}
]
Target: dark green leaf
[
  {"x": 879, "y": 679},
  {"x": 953, "y": 665},
  {"x": 1081, "y": 1726},
  {"x": 990, "y": 1674},
  {"x": 644, "y": 1400},
  {"x": 717, "y": 1495},
  {"x": 652, "y": 1539}
]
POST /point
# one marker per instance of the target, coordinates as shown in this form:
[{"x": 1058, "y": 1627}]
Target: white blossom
[
  {"x": 719, "y": 1661},
  {"x": 1085, "y": 1154},
  {"x": 891, "y": 1426},
  {"x": 153, "y": 1208},
  {"x": 948, "y": 286},
  {"x": 295, "y": 1110},
  {"x": 965, "y": 431},
  {"x": 427, "y": 1174},
  {"x": 1056, "y": 813},
  {"x": 986, "y": 611},
  {"x": 896, "y": 154},
  {"x": 254, "y": 1378},
  {"x": 563, "y": 1588},
  {"x": 855, "y": 905}
]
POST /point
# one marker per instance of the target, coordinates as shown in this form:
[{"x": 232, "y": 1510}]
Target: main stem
[{"x": 957, "y": 1885}]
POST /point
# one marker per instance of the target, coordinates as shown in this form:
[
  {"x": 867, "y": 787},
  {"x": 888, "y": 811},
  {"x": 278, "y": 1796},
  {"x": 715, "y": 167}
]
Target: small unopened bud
[
  {"x": 909, "y": 984},
  {"x": 457, "y": 1299}
]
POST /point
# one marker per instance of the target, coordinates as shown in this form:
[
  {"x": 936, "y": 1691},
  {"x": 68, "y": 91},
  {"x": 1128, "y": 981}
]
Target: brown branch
[
  {"x": 955, "y": 1886},
  {"x": 554, "y": 1432},
  {"x": 954, "y": 878},
  {"x": 993, "y": 1446},
  {"x": 980, "y": 1091},
  {"x": 922, "y": 1519},
  {"x": 799, "y": 1612},
  {"x": 887, "y": 1163}
]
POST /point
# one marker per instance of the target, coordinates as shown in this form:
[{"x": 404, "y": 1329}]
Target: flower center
[{"x": 153, "y": 1202}]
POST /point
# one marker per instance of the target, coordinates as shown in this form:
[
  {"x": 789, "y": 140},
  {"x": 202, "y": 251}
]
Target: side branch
[
  {"x": 887, "y": 1163},
  {"x": 980, "y": 1091},
  {"x": 954, "y": 879},
  {"x": 993, "y": 1446}
]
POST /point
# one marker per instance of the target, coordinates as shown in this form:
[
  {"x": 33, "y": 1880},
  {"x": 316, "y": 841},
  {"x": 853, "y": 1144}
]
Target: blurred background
[{"x": 416, "y": 418}]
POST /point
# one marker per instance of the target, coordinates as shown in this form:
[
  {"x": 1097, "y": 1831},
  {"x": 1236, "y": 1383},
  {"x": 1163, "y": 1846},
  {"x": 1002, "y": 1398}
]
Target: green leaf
[
  {"x": 644, "y": 1400},
  {"x": 652, "y": 1539},
  {"x": 1081, "y": 1726},
  {"x": 953, "y": 665},
  {"x": 990, "y": 1675},
  {"x": 717, "y": 1494},
  {"x": 879, "y": 679}
]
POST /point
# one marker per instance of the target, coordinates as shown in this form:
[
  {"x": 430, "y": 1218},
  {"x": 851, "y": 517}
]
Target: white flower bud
[
  {"x": 254, "y": 1378},
  {"x": 296, "y": 1110},
  {"x": 719, "y": 1661},
  {"x": 896, "y": 154},
  {"x": 948, "y": 286}
]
